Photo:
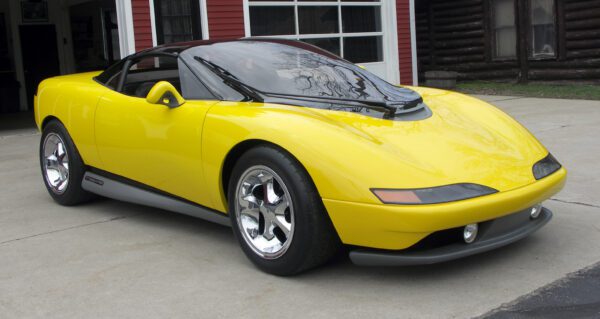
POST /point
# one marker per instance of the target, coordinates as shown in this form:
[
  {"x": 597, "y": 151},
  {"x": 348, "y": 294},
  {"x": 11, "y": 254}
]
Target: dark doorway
[
  {"x": 95, "y": 34},
  {"x": 40, "y": 56},
  {"x": 9, "y": 87}
]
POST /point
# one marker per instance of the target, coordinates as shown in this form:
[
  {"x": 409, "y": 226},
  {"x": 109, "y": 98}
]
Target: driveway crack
[
  {"x": 575, "y": 203},
  {"x": 68, "y": 228},
  {"x": 509, "y": 99}
]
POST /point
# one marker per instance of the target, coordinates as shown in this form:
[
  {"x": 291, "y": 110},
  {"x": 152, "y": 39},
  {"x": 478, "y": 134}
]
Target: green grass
[{"x": 557, "y": 91}]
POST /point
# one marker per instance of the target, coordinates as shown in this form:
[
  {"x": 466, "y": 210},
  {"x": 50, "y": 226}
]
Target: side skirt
[{"x": 108, "y": 187}]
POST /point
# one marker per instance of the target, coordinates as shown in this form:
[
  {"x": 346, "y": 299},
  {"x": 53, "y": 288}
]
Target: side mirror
[{"x": 165, "y": 93}]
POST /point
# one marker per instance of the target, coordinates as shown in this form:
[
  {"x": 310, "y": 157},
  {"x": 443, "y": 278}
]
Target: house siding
[
  {"x": 457, "y": 36},
  {"x": 142, "y": 25},
  {"x": 404, "y": 42},
  {"x": 225, "y": 18}
]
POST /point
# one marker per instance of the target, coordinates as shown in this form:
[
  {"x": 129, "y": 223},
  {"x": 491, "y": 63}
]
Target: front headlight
[
  {"x": 433, "y": 195},
  {"x": 545, "y": 167}
]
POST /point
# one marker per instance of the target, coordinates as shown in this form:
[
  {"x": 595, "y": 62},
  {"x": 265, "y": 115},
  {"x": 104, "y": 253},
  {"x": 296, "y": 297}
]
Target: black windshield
[{"x": 291, "y": 68}]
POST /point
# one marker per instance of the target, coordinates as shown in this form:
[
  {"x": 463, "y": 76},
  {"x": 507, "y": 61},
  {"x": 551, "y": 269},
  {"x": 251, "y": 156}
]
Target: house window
[
  {"x": 350, "y": 29},
  {"x": 543, "y": 29},
  {"x": 177, "y": 20},
  {"x": 505, "y": 29}
]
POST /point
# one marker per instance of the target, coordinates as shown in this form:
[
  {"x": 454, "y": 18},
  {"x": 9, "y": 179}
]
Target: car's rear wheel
[
  {"x": 62, "y": 167},
  {"x": 277, "y": 214}
]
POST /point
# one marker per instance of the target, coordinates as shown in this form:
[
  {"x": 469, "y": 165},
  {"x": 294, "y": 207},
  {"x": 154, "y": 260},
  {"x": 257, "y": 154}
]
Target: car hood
[{"x": 464, "y": 141}]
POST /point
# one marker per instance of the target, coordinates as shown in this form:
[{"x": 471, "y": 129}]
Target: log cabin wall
[{"x": 458, "y": 36}]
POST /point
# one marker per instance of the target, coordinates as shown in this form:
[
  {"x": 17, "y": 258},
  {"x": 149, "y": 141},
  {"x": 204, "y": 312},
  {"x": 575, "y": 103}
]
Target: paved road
[
  {"x": 109, "y": 259},
  {"x": 576, "y": 296}
]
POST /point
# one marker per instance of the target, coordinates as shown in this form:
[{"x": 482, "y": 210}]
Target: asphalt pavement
[{"x": 109, "y": 259}]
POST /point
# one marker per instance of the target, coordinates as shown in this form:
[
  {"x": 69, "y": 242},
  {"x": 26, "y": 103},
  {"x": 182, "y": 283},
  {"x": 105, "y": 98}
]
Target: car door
[{"x": 154, "y": 144}]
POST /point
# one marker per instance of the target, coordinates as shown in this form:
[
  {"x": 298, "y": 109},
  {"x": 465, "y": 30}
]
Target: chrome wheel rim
[
  {"x": 56, "y": 163},
  {"x": 264, "y": 212}
]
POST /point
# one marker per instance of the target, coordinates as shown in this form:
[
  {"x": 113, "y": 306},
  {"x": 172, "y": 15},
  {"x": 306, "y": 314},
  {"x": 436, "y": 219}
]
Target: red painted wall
[
  {"x": 404, "y": 43},
  {"x": 142, "y": 27},
  {"x": 225, "y": 18}
]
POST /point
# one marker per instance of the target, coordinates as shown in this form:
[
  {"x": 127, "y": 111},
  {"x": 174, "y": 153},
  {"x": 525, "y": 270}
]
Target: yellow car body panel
[
  {"x": 398, "y": 227},
  {"x": 73, "y": 100},
  {"x": 153, "y": 144},
  {"x": 182, "y": 151}
]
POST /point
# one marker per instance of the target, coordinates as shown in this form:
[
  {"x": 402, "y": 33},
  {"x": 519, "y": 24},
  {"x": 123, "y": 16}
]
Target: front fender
[{"x": 341, "y": 160}]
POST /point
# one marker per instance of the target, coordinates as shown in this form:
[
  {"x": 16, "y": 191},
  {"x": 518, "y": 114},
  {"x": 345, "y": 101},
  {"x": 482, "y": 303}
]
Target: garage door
[{"x": 362, "y": 32}]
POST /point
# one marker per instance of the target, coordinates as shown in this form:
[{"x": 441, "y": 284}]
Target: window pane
[
  {"x": 505, "y": 31},
  {"x": 363, "y": 49},
  {"x": 314, "y": 20},
  {"x": 361, "y": 19},
  {"x": 191, "y": 87},
  {"x": 176, "y": 17},
  {"x": 330, "y": 44},
  {"x": 543, "y": 33},
  {"x": 506, "y": 43},
  {"x": 272, "y": 20}
]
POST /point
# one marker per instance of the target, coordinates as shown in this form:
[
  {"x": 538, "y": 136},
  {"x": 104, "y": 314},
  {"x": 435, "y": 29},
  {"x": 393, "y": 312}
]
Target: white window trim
[
  {"x": 203, "y": 21},
  {"x": 413, "y": 43},
  {"x": 125, "y": 26},
  {"x": 153, "y": 23},
  {"x": 388, "y": 22}
]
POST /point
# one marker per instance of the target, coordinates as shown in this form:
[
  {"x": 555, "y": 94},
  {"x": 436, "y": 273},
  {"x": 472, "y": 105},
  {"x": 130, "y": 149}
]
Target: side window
[
  {"x": 145, "y": 72},
  {"x": 505, "y": 29},
  {"x": 214, "y": 82},
  {"x": 543, "y": 29},
  {"x": 191, "y": 87}
]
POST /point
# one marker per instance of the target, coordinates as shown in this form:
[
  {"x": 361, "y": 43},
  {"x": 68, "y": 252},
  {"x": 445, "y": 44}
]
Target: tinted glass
[
  {"x": 363, "y": 49},
  {"x": 272, "y": 20},
  {"x": 314, "y": 20},
  {"x": 361, "y": 19},
  {"x": 213, "y": 81},
  {"x": 505, "y": 29},
  {"x": 329, "y": 44},
  {"x": 543, "y": 30},
  {"x": 176, "y": 18},
  {"x": 297, "y": 69},
  {"x": 191, "y": 87}
]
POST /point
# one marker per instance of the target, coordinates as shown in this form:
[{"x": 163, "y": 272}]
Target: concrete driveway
[{"x": 110, "y": 259}]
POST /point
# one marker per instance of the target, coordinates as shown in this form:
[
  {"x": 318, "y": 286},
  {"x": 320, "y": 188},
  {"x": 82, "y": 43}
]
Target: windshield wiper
[
  {"x": 231, "y": 80},
  {"x": 389, "y": 111}
]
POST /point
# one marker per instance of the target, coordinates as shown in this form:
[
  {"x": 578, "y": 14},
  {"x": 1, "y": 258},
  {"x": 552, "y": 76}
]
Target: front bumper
[
  {"x": 396, "y": 227},
  {"x": 494, "y": 234}
]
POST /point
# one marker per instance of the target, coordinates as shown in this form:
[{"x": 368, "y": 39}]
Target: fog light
[
  {"x": 470, "y": 233},
  {"x": 536, "y": 211}
]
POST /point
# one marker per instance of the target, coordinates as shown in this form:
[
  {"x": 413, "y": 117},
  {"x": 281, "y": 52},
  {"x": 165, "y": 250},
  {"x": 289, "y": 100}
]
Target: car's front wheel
[{"x": 277, "y": 214}]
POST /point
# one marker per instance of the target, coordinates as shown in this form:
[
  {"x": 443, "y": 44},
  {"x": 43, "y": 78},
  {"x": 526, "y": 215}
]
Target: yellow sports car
[{"x": 299, "y": 151}]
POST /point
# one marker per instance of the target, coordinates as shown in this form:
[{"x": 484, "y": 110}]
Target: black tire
[
  {"x": 314, "y": 239},
  {"x": 73, "y": 193}
]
